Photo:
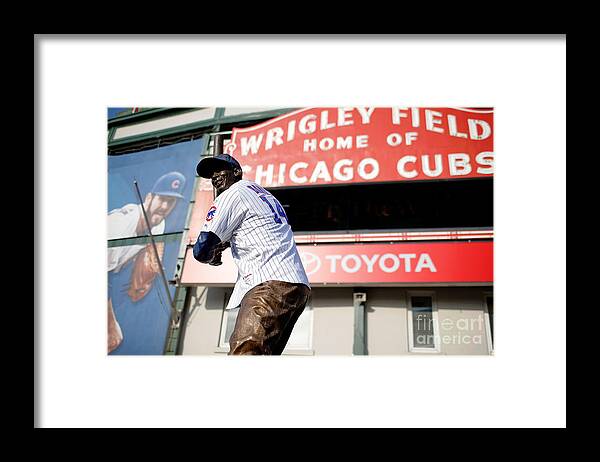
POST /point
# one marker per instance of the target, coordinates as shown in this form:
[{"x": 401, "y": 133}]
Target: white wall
[
  {"x": 333, "y": 322},
  {"x": 386, "y": 325},
  {"x": 203, "y": 323},
  {"x": 461, "y": 321},
  {"x": 460, "y": 318},
  {"x": 231, "y": 111}
]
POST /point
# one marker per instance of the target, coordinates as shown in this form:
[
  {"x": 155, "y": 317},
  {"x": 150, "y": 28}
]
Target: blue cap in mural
[{"x": 170, "y": 184}]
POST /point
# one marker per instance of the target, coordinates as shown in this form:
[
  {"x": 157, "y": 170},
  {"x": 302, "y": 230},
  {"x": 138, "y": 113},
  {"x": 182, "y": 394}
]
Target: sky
[{"x": 113, "y": 111}]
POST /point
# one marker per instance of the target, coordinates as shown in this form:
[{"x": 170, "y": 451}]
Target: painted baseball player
[
  {"x": 272, "y": 288},
  {"x": 128, "y": 221}
]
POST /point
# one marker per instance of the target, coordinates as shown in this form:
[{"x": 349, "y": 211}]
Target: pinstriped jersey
[{"x": 262, "y": 241}]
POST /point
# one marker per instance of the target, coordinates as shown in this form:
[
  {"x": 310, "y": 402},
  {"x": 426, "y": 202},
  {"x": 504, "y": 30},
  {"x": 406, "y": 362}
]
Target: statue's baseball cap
[{"x": 207, "y": 166}]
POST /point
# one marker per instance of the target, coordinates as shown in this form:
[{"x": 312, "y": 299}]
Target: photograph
[{"x": 302, "y": 231}]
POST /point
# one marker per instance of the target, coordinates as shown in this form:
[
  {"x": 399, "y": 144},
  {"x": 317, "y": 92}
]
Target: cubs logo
[
  {"x": 175, "y": 184},
  {"x": 211, "y": 213}
]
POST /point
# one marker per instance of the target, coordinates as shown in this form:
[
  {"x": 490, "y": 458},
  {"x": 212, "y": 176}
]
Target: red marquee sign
[
  {"x": 317, "y": 146},
  {"x": 407, "y": 263}
]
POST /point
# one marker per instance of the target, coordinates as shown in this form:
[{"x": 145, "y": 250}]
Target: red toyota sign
[
  {"x": 317, "y": 146},
  {"x": 407, "y": 263}
]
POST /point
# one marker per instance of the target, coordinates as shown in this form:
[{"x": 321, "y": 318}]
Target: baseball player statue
[
  {"x": 128, "y": 221},
  {"x": 272, "y": 288}
]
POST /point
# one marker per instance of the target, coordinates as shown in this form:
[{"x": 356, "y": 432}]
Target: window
[
  {"x": 422, "y": 323},
  {"x": 229, "y": 317},
  {"x": 489, "y": 316},
  {"x": 402, "y": 205},
  {"x": 299, "y": 341}
]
